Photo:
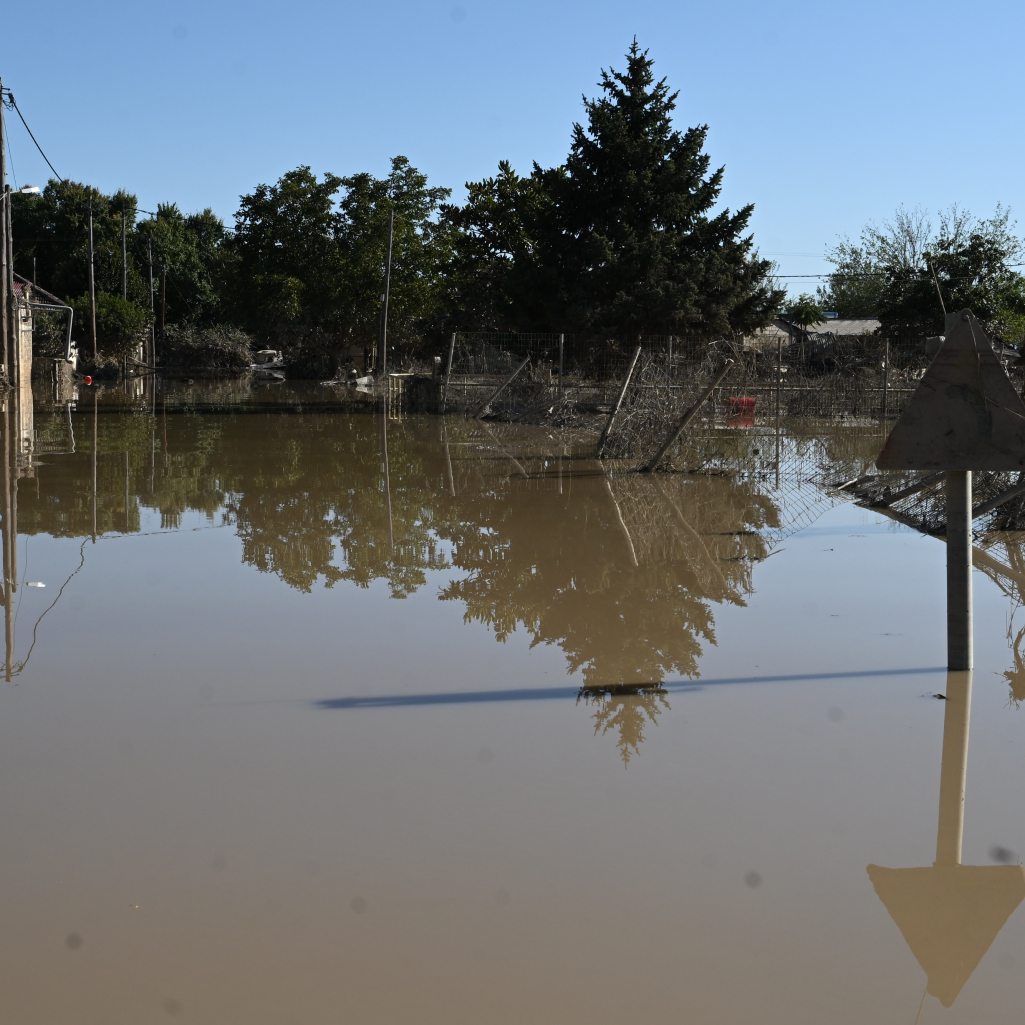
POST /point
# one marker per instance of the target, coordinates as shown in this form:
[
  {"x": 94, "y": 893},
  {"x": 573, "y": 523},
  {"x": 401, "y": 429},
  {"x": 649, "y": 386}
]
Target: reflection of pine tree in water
[
  {"x": 621, "y": 574},
  {"x": 626, "y": 710},
  {"x": 563, "y": 567}
]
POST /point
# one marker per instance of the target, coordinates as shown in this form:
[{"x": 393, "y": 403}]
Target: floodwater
[{"x": 330, "y": 716}]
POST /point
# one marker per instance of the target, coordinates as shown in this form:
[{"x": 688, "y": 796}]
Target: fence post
[
  {"x": 886, "y": 382},
  {"x": 615, "y": 406},
  {"x": 779, "y": 375},
  {"x": 686, "y": 419},
  {"x": 448, "y": 375},
  {"x": 779, "y": 392},
  {"x": 501, "y": 388},
  {"x": 561, "y": 340}
]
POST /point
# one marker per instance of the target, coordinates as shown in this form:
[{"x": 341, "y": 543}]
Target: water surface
[{"x": 329, "y": 716}]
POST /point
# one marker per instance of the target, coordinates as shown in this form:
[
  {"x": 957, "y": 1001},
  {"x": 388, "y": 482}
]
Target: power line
[{"x": 10, "y": 97}]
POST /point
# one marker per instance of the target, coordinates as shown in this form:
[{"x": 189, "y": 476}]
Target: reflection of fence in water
[{"x": 54, "y": 433}]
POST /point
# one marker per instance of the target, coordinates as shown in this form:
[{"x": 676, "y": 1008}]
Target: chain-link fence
[{"x": 556, "y": 378}]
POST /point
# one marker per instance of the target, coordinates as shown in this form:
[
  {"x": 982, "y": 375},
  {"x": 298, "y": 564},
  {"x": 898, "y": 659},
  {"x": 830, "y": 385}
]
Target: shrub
[
  {"x": 120, "y": 326},
  {"x": 223, "y": 349}
]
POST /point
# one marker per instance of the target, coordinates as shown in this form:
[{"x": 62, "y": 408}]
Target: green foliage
[
  {"x": 53, "y": 228},
  {"x": 900, "y": 271},
  {"x": 622, "y": 239},
  {"x": 493, "y": 238},
  {"x": 421, "y": 250},
  {"x": 190, "y": 248},
  {"x": 803, "y": 311},
  {"x": 211, "y": 349},
  {"x": 120, "y": 325},
  {"x": 310, "y": 259},
  {"x": 855, "y": 288}
]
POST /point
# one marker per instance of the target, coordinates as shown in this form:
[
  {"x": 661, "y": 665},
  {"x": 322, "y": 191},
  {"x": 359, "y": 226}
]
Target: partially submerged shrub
[
  {"x": 224, "y": 349},
  {"x": 120, "y": 326}
]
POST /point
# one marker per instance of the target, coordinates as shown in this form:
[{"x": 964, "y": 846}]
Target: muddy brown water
[{"x": 329, "y": 716}]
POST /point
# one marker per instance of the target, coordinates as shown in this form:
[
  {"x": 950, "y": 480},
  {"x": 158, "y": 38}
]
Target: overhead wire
[{"x": 17, "y": 110}]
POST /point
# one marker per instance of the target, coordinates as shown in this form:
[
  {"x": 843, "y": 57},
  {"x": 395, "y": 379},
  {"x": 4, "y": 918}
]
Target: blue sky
[{"x": 825, "y": 115}]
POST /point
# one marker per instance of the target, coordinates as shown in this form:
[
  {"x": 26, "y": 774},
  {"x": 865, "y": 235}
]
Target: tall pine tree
[{"x": 628, "y": 244}]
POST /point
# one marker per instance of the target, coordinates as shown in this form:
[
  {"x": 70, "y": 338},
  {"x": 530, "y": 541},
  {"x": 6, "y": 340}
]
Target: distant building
[{"x": 780, "y": 331}]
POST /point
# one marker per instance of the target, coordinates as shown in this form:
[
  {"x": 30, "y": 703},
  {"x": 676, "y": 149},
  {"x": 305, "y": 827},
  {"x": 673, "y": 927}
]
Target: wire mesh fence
[{"x": 559, "y": 378}]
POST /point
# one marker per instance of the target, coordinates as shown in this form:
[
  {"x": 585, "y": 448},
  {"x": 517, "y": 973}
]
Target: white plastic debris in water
[{"x": 34, "y": 583}]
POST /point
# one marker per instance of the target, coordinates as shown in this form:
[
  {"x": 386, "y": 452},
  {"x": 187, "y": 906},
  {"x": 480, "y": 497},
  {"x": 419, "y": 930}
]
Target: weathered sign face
[{"x": 965, "y": 413}]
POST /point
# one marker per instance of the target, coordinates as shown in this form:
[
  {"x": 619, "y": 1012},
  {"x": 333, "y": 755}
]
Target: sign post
[{"x": 965, "y": 415}]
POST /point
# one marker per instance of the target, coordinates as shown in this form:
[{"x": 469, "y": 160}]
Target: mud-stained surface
[{"x": 324, "y": 715}]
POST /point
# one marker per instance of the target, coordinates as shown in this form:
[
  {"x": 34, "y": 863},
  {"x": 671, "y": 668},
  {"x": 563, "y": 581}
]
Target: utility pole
[
  {"x": 124, "y": 259},
  {"x": 163, "y": 300},
  {"x": 383, "y": 361},
  {"x": 152, "y": 321},
  {"x": 13, "y": 330},
  {"x": 92, "y": 279},
  {"x": 3, "y": 235}
]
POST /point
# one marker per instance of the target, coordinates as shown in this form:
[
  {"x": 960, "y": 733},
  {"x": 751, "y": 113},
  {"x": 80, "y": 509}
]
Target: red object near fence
[
  {"x": 88, "y": 380},
  {"x": 740, "y": 405},
  {"x": 741, "y": 411}
]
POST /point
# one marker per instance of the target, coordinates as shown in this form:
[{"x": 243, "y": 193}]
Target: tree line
[
  {"x": 908, "y": 270},
  {"x": 622, "y": 240}
]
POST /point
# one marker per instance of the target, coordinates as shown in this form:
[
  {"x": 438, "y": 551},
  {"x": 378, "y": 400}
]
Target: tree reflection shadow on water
[{"x": 626, "y": 710}]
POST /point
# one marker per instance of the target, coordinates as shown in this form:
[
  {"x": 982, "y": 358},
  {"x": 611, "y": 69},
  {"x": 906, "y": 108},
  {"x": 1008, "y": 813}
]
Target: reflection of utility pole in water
[
  {"x": 95, "y": 414},
  {"x": 8, "y": 542},
  {"x": 448, "y": 459},
  {"x": 386, "y": 470},
  {"x": 949, "y": 913}
]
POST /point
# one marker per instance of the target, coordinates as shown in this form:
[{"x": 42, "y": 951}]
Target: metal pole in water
[
  {"x": 562, "y": 339},
  {"x": 959, "y": 569}
]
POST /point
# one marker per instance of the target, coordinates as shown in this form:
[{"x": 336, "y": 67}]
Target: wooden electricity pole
[
  {"x": 3, "y": 235},
  {"x": 13, "y": 330},
  {"x": 92, "y": 279},
  {"x": 383, "y": 361},
  {"x": 152, "y": 323},
  {"x": 124, "y": 259}
]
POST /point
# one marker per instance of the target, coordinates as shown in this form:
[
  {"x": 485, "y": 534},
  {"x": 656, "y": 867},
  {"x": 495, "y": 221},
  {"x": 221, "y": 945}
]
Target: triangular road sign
[
  {"x": 949, "y": 915},
  {"x": 964, "y": 415}
]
